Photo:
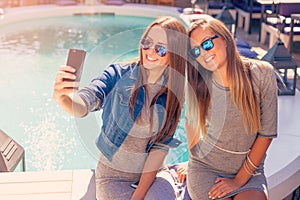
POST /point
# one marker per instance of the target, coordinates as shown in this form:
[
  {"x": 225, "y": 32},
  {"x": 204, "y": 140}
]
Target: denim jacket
[{"x": 112, "y": 89}]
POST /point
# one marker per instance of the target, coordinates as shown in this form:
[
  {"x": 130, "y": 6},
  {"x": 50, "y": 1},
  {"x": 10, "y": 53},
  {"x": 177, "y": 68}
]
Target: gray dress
[
  {"x": 224, "y": 151},
  {"x": 114, "y": 179}
]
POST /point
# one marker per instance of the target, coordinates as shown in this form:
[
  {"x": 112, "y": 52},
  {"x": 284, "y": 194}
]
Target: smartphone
[
  {"x": 135, "y": 185},
  {"x": 76, "y": 59}
]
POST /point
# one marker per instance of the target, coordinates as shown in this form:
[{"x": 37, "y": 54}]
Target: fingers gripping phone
[{"x": 76, "y": 59}]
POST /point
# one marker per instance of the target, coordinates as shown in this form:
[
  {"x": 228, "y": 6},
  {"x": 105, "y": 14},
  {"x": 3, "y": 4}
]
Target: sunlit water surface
[{"x": 30, "y": 55}]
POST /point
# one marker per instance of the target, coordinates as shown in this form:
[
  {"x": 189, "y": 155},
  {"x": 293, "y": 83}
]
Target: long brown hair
[
  {"x": 239, "y": 77},
  {"x": 174, "y": 87}
]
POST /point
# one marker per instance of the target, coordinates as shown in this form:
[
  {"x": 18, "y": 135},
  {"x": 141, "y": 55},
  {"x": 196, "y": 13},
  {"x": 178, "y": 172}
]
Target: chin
[
  {"x": 148, "y": 65},
  {"x": 212, "y": 66}
]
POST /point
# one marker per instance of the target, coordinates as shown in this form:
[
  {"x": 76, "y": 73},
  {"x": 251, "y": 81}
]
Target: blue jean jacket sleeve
[
  {"x": 108, "y": 91},
  {"x": 166, "y": 145},
  {"x": 94, "y": 94}
]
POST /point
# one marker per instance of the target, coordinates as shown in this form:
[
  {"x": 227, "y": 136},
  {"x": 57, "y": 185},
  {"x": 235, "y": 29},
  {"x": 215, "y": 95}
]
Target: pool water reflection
[{"x": 30, "y": 54}]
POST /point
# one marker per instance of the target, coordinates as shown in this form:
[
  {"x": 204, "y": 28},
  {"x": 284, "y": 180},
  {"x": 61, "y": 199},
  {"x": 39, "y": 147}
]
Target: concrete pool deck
[
  {"x": 282, "y": 165},
  {"x": 59, "y": 185}
]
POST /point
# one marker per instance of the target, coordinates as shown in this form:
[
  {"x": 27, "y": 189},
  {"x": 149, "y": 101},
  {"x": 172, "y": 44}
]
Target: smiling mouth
[
  {"x": 209, "y": 58},
  {"x": 150, "y": 58}
]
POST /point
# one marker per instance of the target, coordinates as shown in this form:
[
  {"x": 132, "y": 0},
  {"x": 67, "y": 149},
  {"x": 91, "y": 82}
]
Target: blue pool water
[{"x": 30, "y": 54}]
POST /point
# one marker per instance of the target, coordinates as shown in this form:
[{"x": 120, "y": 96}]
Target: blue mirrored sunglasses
[
  {"x": 206, "y": 45},
  {"x": 160, "y": 50}
]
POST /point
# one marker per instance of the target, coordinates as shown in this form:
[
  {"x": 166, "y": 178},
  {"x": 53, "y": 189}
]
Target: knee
[{"x": 161, "y": 189}]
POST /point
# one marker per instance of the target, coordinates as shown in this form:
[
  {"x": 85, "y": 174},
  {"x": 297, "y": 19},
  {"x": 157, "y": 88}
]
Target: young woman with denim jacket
[{"x": 141, "y": 102}]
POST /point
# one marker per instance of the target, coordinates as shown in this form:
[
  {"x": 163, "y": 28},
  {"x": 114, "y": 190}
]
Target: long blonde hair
[
  {"x": 174, "y": 88},
  {"x": 239, "y": 77}
]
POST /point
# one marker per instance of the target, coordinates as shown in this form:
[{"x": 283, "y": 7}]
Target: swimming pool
[{"x": 30, "y": 54}]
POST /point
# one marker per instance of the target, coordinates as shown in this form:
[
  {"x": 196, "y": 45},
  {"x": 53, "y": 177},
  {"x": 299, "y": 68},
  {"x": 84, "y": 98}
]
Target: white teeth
[
  {"x": 209, "y": 59},
  {"x": 151, "y": 59}
]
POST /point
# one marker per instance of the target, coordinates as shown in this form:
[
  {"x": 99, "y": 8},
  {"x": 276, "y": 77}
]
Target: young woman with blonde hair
[{"x": 231, "y": 116}]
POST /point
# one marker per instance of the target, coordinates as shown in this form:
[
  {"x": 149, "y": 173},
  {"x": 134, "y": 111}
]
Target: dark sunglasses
[
  {"x": 206, "y": 45},
  {"x": 160, "y": 50}
]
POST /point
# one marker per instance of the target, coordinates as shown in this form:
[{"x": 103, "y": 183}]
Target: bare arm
[
  {"x": 65, "y": 93},
  {"x": 224, "y": 185},
  {"x": 152, "y": 165},
  {"x": 192, "y": 134},
  {"x": 256, "y": 155}
]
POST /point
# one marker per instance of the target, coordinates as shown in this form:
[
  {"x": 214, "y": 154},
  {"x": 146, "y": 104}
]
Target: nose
[
  {"x": 203, "y": 52},
  {"x": 151, "y": 50}
]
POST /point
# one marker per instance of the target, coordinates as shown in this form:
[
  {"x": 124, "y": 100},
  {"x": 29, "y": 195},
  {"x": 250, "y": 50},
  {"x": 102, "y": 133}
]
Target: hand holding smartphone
[{"x": 76, "y": 59}]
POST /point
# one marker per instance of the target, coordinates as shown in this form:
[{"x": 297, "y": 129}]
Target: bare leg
[{"x": 251, "y": 194}]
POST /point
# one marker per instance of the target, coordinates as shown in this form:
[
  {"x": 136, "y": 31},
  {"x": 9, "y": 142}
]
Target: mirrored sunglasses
[
  {"x": 206, "y": 45},
  {"x": 160, "y": 50}
]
